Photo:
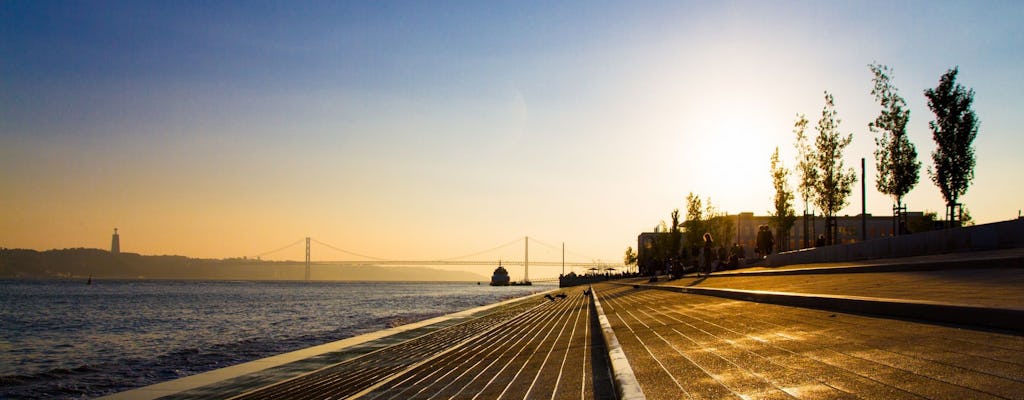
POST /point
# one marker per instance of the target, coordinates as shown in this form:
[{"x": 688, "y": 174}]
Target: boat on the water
[{"x": 500, "y": 276}]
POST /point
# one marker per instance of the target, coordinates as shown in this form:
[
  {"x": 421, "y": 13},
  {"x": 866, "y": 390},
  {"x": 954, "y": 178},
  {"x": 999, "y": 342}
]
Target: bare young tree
[
  {"x": 835, "y": 181},
  {"x": 895, "y": 157},
  {"x": 954, "y": 129},
  {"x": 783, "y": 217}
]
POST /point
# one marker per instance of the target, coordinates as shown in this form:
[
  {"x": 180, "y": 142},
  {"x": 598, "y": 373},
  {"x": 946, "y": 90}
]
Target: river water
[{"x": 66, "y": 339}]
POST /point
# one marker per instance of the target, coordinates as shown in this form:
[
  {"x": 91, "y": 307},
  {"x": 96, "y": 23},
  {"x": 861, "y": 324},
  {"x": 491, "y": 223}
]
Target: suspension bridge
[{"x": 478, "y": 258}]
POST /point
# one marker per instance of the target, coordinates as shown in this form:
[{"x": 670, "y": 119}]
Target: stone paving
[
  {"x": 692, "y": 346},
  {"x": 984, "y": 287},
  {"x": 687, "y": 345}
]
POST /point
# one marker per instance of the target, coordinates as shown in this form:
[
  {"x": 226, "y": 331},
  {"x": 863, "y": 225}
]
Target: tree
[
  {"x": 675, "y": 221},
  {"x": 784, "y": 217},
  {"x": 630, "y": 257},
  {"x": 806, "y": 170},
  {"x": 675, "y": 237},
  {"x": 954, "y": 129},
  {"x": 923, "y": 223},
  {"x": 694, "y": 224},
  {"x": 719, "y": 225},
  {"x": 895, "y": 157},
  {"x": 834, "y": 181}
]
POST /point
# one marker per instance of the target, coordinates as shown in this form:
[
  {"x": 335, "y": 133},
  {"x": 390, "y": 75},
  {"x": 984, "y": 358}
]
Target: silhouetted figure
[
  {"x": 737, "y": 250},
  {"x": 550, "y": 297},
  {"x": 765, "y": 241},
  {"x": 709, "y": 254},
  {"x": 732, "y": 262},
  {"x": 586, "y": 292},
  {"x": 820, "y": 242}
]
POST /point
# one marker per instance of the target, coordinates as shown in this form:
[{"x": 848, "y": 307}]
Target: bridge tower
[
  {"x": 307, "y": 259},
  {"x": 526, "y": 262}
]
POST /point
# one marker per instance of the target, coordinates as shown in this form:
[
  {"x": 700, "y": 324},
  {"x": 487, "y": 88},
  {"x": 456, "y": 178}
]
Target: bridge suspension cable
[
  {"x": 348, "y": 252},
  {"x": 553, "y": 247},
  {"x": 482, "y": 251},
  {"x": 281, "y": 248}
]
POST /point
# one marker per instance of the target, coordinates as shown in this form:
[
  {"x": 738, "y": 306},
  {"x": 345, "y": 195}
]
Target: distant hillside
[{"x": 101, "y": 264}]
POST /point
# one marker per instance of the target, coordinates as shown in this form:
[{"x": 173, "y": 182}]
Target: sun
[{"x": 729, "y": 161}]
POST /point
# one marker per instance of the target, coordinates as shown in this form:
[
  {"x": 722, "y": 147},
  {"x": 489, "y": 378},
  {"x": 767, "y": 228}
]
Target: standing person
[
  {"x": 760, "y": 243},
  {"x": 769, "y": 241},
  {"x": 709, "y": 253}
]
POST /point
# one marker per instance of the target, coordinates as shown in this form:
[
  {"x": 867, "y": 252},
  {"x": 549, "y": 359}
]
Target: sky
[{"x": 430, "y": 130}]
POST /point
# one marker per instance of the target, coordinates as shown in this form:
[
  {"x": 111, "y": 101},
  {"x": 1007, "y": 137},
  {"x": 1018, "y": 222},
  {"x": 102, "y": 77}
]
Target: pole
[
  {"x": 563, "y": 258},
  {"x": 307, "y": 259},
  {"x": 863, "y": 203}
]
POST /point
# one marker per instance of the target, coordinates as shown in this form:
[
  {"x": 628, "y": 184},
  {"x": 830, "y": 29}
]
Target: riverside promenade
[{"x": 949, "y": 326}]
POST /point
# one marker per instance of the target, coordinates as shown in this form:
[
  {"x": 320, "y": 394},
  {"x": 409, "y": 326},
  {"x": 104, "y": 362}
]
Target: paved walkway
[
  {"x": 693, "y": 346},
  {"x": 984, "y": 287},
  {"x": 691, "y": 338}
]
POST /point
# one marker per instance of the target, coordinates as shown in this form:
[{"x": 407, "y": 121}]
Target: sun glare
[{"x": 727, "y": 159}]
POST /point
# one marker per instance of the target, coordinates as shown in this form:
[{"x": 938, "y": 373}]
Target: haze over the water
[{"x": 436, "y": 129}]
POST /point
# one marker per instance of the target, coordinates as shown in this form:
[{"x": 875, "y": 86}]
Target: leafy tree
[
  {"x": 719, "y": 225},
  {"x": 784, "y": 217},
  {"x": 895, "y": 156},
  {"x": 675, "y": 221},
  {"x": 834, "y": 181},
  {"x": 630, "y": 257},
  {"x": 954, "y": 129},
  {"x": 965, "y": 217},
  {"x": 675, "y": 236},
  {"x": 694, "y": 224},
  {"x": 924, "y": 223},
  {"x": 806, "y": 170}
]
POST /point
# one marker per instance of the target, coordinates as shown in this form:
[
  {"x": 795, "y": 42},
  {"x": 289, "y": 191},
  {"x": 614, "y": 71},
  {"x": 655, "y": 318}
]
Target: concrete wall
[{"x": 994, "y": 236}]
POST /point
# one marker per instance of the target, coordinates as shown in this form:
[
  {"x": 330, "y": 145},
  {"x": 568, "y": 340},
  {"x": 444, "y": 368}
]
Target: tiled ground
[{"x": 692, "y": 346}]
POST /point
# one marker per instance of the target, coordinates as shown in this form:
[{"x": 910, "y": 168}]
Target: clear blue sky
[{"x": 434, "y": 129}]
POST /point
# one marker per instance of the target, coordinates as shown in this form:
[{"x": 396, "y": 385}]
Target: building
[
  {"x": 654, "y": 249},
  {"x": 115, "y": 243}
]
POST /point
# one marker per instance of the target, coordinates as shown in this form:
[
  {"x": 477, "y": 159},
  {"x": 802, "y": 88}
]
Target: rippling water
[{"x": 64, "y": 339}]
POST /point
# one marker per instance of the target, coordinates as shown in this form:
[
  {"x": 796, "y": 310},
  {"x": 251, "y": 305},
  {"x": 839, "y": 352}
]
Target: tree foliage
[
  {"x": 718, "y": 224},
  {"x": 630, "y": 256},
  {"x": 834, "y": 182},
  {"x": 783, "y": 216},
  {"x": 895, "y": 157},
  {"x": 694, "y": 223},
  {"x": 703, "y": 217},
  {"x": 805, "y": 165},
  {"x": 954, "y": 129}
]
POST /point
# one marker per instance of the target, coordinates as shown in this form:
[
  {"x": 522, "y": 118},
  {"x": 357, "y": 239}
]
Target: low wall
[
  {"x": 994, "y": 236},
  {"x": 577, "y": 280}
]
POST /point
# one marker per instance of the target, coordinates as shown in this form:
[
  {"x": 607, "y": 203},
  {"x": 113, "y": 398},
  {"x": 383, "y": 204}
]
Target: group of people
[
  {"x": 710, "y": 259},
  {"x": 713, "y": 258}
]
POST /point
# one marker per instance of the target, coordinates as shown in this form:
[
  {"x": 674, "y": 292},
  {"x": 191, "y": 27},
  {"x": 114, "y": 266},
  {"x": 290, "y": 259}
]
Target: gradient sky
[{"x": 425, "y": 130}]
